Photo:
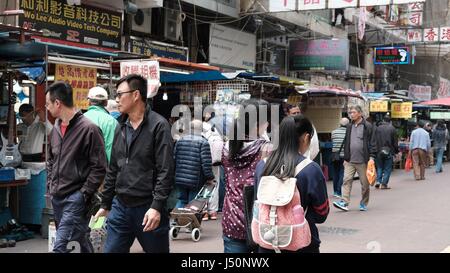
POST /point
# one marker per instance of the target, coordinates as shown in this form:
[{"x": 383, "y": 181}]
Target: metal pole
[{"x": 111, "y": 95}]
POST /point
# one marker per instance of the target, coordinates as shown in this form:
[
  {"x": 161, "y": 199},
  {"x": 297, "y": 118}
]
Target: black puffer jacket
[
  {"x": 143, "y": 173},
  {"x": 386, "y": 136}
]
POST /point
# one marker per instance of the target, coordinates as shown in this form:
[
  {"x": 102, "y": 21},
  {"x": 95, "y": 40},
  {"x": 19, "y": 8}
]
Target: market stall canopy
[
  {"x": 326, "y": 90},
  {"x": 167, "y": 77},
  {"x": 442, "y": 102}
]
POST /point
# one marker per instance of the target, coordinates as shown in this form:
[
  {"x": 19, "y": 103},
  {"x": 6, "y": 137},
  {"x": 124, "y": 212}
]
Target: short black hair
[
  {"x": 387, "y": 118},
  {"x": 26, "y": 108},
  {"x": 61, "y": 91},
  {"x": 136, "y": 82}
]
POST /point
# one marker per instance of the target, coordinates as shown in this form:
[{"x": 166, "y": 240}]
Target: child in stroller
[{"x": 190, "y": 217}]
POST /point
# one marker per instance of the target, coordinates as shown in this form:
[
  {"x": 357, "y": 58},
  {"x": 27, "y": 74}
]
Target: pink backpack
[{"x": 279, "y": 221}]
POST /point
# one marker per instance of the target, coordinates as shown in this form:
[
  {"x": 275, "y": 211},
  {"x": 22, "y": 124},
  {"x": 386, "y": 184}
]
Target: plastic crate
[{"x": 7, "y": 175}]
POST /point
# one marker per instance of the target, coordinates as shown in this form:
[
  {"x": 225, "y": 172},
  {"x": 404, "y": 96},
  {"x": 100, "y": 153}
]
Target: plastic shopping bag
[
  {"x": 371, "y": 173},
  {"x": 408, "y": 163}
]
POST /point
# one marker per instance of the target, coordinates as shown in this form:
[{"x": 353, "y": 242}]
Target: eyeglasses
[{"x": 119, "y": 94}]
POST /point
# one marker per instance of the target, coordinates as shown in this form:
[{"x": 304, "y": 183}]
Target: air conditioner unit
[
  {"x": 172, "y": 26},
  {"x": 142, "y": 21}
]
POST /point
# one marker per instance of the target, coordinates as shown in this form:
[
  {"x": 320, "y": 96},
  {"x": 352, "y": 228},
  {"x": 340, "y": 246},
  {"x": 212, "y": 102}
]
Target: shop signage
[
  {"x": 337, "y": 4},
  {"x": 282, "y": 5},
  {"x": 147, "y": 69},
  {"x": 401, "y": 110},
  {"x": 232, "y": 48},
  {"x": 156, "y": 49},
  {"x": 319, "y": 55},
  {"x": 392, "y": 55},
  {"x": 80, "y": 78},
  {"x": 444, "y": 88},
  {"x": 326, "y": 102},
  {"x": 290, "y": 5},
  {"x": 419, "y": 92},
  {"x": 73, "y": 23},
  {"x": 440, "y": 115},
  {"x": 379, "y": 106}
]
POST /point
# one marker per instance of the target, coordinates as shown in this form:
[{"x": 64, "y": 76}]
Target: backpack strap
[{"x": 305, "y": 162}]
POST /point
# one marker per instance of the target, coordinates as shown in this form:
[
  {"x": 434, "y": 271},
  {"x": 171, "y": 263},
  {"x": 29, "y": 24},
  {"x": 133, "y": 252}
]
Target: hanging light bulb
[{"x": 165, "y": 97}]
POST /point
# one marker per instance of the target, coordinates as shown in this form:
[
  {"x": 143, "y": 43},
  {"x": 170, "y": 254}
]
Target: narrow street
[{"x": 411, "y": 217}]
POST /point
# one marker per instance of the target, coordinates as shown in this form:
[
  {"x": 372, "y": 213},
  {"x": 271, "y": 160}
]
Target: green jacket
[{"x": 107, "y": 124}]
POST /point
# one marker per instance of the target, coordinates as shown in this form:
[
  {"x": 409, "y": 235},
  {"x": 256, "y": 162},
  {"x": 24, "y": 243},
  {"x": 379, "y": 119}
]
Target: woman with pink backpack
[{"x": 291, "y": 194}]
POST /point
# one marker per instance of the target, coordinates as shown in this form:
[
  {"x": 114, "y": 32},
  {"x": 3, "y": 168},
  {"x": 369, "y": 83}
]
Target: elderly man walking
[{"x": 360, "y": 147}]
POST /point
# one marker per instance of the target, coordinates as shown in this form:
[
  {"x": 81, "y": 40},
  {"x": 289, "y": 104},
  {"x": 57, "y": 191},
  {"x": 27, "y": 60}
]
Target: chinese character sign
[
  {"x": 431, "y": 35},
  {"x": 378, "y": 106},
  {"x": 282, "y": 5},
  {"x": 80, "y": 78},
  {"x": 83, "y": 24},
  {"x": 445, "y": 34},
  {"x": 336, "y": 4},
  {"x": 444, "y": 88},
  {"x": 419, "y": 92},
  {"x": 401, "y": 110},
  {"x": 148, "y": 70},
  {"x": 311, "y": 4},
  {"x": 365, "y": 3},
  {"x": 415, "y": 19}
]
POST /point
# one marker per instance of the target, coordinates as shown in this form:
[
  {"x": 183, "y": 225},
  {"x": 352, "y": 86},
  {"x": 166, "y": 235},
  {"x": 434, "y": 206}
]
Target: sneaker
[
  {"x": 213, "y": 216},
  {"x": 342, "y": 205},
  {"x": 385, "y": 187},
  {"x": 377, "y": 185},
  {"x": 337, "y": 195},
  {"x": 362, "y": 207}
]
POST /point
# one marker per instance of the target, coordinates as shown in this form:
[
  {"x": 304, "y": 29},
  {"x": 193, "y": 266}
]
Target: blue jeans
[
  {"x": 439, "y": 157},
  {"x": 384, "y": 169},
  {"x": 185, "y": 196},
  {"x": 124, "y": 225},
  {"x": 338, "y": 176},
  {"x": 71, "y": 224},
  {"x": 231, "y": 245}
]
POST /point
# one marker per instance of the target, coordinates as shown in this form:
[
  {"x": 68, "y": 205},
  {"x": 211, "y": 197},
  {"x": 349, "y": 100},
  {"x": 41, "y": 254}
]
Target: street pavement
[{"x": 411, "y": 217}]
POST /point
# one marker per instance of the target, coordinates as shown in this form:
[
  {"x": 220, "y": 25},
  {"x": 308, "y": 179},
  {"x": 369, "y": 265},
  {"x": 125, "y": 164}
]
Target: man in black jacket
[
  {"x": 360, "y": 147},
  {"x": 387, "y": 144},
  {"x": 76, "y": 167},
  {"x": 140, "y": 176}
]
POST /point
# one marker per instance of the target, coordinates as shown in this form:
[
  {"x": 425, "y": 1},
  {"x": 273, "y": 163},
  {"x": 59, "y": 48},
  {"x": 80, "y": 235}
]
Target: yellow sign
[
  {"x": 379, "y": 106},
  {"x": 402, "y": 110},
  {"x": 80, "y": 78}
]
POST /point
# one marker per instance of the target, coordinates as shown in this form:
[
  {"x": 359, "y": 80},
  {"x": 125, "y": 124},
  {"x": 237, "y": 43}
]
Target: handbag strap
[{"x": 342, "y": 145}]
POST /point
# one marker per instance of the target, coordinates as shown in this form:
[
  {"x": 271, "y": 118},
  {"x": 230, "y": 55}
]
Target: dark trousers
[
  {"x": 124, "y": 225},
  {"x": 384, "y": 169},
  {"x": 338, "y": 176},
  {"x": 71, "y": 224}
]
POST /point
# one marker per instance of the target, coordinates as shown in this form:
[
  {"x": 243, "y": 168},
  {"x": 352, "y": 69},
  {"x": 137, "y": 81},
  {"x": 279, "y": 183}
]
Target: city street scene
[{"x": 224, "y": 126}]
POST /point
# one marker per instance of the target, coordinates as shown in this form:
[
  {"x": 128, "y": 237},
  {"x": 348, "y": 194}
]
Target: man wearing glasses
[
  {"x": 140, "y": 175},
  {"x": 31, "y": 133}
]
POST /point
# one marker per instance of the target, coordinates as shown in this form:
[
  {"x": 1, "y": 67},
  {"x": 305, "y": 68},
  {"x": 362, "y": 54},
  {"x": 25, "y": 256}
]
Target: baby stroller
[{"x": 190, "y": 217}]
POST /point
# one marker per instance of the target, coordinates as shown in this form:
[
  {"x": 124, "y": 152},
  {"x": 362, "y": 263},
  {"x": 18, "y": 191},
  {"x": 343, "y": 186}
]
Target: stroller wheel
[
  {"x": 173, "y": 232},
  {"x": 195, "y": 234}
]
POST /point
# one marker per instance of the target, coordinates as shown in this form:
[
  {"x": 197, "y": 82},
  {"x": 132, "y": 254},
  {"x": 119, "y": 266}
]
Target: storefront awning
[
  {"x": 320, "y": 90},
  {"x": 442, "y": 102},
  {"x": 196, "y": 76}
]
